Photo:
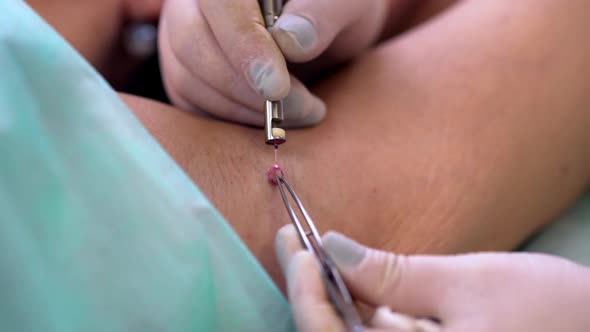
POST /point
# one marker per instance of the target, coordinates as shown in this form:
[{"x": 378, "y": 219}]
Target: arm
[{"x": 466, "y": 134}]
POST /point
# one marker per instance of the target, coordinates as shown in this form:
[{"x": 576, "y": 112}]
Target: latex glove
[
  {"x": 217, "y": 56},
  {"x": 508, "y": 292}
]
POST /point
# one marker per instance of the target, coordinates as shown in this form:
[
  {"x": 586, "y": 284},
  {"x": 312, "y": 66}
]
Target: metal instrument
[
  {"x": 310, "y": 238},
  {"x": 273, "y": 109},
  {"x": 337, "y": 291}
]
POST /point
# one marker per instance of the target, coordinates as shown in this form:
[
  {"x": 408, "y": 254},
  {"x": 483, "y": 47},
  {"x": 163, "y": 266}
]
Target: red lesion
[{"x": 274, "y": 171}]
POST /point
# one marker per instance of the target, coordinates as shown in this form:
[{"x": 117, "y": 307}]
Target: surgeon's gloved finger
[
  {"x": 427, "y": 325},
  {"x": 203, "y": 98},
  {"x": 196, "y": 73},
  {"x": 305, "y": 287},
  {"x": 311, "y": 308},
  {"x": 405, "y": 284},
  {"x": 307, "y": 28},
  {"x": 301, "y": 107},
  {"x": 384, "y": 318},
  {"x": 238, "y": 27},
  {"x": 204, "y": 94},
  {"x": 199, "y": 77},
  {"x": 191, "y": 93},
  {"x": 196, "y": 53},
  {"x": 287, "y": 243}
]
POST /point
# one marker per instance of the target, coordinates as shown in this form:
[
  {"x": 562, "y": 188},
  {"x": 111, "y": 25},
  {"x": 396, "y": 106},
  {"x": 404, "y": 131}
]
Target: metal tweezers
[{"x": 312, "y": 241}]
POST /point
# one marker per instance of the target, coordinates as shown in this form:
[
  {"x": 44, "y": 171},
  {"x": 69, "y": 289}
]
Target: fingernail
[
  {"x": 266, "y": 79},
  {"x": 301, "y": 111},
  {"x": 344, "y": 251},
  {"x": 247, "y": 116},
  {"x": 299, "y": 30},
  {"x": 384, "y": 318},
  {"x": 424, "y": 325},
  {"x": 281, "y": 246},
  {"x": 284, "y": 245}
]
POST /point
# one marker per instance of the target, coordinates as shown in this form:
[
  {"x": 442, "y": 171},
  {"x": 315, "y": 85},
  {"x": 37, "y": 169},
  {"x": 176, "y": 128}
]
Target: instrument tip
[{"x": 274, "y": 171}]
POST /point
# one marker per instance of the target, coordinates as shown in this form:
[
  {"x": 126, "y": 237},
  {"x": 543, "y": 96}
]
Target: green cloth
[
  {"x": 99, "y": 229},
  {"x": 569, "y": 236}
]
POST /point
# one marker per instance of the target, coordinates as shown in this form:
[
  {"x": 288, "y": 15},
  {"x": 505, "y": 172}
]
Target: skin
[
  {"x": 105, "y": 21},
  {"x": 75, "y": 19},
  {"x": 467, "y": 133}
]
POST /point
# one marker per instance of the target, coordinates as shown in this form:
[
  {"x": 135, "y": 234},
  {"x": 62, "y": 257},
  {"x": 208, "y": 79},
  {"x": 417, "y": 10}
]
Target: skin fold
[{"x": 469, "y": 132}]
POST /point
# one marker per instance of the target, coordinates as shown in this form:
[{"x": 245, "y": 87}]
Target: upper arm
[
  {"x": 480, "y": 118},
  {"x": 464, "y": 134}
]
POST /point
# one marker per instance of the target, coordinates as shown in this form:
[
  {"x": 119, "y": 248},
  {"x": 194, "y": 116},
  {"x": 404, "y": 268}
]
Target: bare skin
[
  {"x": 95, "y": 29},
  {"x": 467, "y": 133},
  {"x": 75, "y": 20}
]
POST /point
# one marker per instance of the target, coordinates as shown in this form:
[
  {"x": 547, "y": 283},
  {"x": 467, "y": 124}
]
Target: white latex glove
[
  {"x": 507, "y": 292},
  {"x": 217, "y": 56}
]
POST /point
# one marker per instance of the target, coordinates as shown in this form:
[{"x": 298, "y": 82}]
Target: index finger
[
  {"x": 309, "y": 301},
  {"x": 239, "y": 29},
  {"x": 311, "y": 308}
]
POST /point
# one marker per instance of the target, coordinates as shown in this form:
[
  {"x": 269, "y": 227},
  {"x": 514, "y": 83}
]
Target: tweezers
[{"x": 311, "y": 240}]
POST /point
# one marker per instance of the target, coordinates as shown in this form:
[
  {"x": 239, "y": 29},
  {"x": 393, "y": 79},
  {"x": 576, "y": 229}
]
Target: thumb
[
  {"x": 308, "y": 27},
  {"x": 416, "y": 285}
]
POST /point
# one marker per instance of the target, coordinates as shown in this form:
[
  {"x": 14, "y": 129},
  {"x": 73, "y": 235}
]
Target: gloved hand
[
  {"x": 217, "y": 56},
  {"x": 508, "y": 292}
]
